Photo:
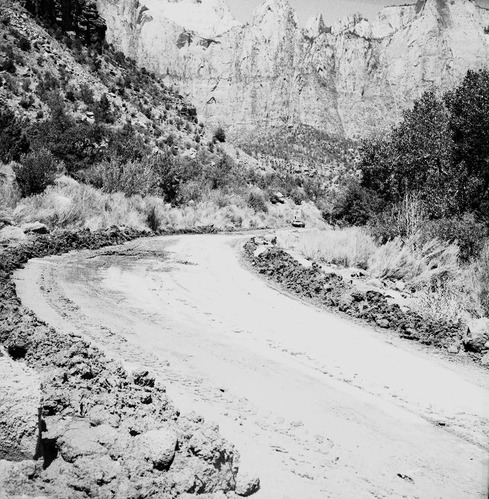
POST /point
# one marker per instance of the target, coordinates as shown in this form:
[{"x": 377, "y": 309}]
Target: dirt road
[{"x": 318, "y": 406}]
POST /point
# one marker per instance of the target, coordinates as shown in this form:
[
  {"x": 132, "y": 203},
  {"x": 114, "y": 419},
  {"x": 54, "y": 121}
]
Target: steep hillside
[
  {"x": 133, "y": 149},
  {"x": 64, "y": 68},
  {"x": 344, "y": 80}
]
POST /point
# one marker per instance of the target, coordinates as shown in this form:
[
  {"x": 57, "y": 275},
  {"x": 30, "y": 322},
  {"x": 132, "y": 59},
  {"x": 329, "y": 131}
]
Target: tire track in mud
[
  {"x": 313, "y": 454},
  {"x": 322, "y": 463}
]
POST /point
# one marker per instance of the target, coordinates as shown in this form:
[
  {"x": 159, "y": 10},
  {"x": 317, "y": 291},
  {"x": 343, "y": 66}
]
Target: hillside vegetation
[
  {"x": 71, "y": 105},
  {"x": 423, "y": 194}
]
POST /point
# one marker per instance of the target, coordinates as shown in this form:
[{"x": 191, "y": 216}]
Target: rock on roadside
[
  {"x": 20, "y": 401},
  {"x": 104, "y": 432}
]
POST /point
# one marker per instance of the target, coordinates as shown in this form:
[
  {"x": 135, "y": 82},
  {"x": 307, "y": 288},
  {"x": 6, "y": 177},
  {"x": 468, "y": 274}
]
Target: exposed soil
[
  {"x": 99, "y": 430},
  {"x": 317, "y": 405}
]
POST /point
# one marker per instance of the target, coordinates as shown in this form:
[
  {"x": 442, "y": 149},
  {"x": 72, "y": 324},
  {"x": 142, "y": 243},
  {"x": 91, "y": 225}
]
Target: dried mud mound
[
  {"x": 102, "y": 432},
  {"x": 333, "y": 291}
]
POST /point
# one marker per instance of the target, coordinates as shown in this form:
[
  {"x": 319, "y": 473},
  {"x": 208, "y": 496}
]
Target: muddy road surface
[{"x": 318, "y": 406}]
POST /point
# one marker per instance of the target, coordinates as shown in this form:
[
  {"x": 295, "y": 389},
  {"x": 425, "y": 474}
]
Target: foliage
[
  {"x": 465, "y": 231},
  {"x": 13, "y": 141},
  {"x": 131, "y": 178},
  {"x": 350, "y": 247},
  {"x": 35, "y": 172},
  {"x": 414, "y": 261},
  {"x": 78, "y": 145},
  {"x": 24, "y": 44},
  {"x": 415, "y": 158},
  {"x": 356, "y": 205},
  {"x": 405, "y": 219},
  {"x": 220, "y": 134},
  {"x": 468, "y": 105},
  {"x": 256, "y": 200},
  {"x": 482, "y": 273},
  {"x": 439, "y": 156}
]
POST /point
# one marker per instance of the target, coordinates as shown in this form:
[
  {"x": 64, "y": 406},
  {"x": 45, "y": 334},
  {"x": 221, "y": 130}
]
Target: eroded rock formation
[{"x": 345, "y": 80}]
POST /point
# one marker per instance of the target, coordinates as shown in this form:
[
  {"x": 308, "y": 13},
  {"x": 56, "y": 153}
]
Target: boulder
[
  {"x": 20, "y": 400},
  {"x": 477, "y": 335},
  {"x": 246, "y": 484},
  {"x": 260, "y": 250},
  {"x": 77, "y": 439},
  {"x": 454, "y": 348},
  {"x": 158, "y": 447},
  {"x": 485, "y": 360},
  {"x": 34, "y": 228},
  {"x": 383, "y": 323},
  {"x": 12, "y": 233}
]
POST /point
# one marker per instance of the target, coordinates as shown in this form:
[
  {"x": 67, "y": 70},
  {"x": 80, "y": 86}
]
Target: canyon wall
[{"x": 347, "y": 79}]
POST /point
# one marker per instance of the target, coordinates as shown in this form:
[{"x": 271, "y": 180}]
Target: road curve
[{"x": 318, "y": 406}]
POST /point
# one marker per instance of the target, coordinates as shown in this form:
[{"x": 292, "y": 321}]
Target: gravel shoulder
[{"x": 317, "y": 405}]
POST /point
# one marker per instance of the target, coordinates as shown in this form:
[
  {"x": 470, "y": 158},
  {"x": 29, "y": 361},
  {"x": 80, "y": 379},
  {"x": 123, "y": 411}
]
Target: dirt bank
[
  {"x": 374, "y": 307},
  {"x": 102, "y": 431},
  {"x": 318, "y": 405}
]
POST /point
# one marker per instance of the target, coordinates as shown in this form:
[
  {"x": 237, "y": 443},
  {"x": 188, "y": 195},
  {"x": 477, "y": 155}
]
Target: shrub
[
  {"x": 131, "y": 178},
  {"x": 8, "y": 64},
  {"x": 86, "y": 94},
  {"x": 24, "y": 44},
  {"x": 220, "y": 134},
  {"x": 102, "y": 110},
  {"x": 35, "y": 172},
  {"x": 355, "y": 205},
  {"x": 465, "y": 231},
  {"x": 414, "y": 261},
  {"x": 13, "y": 141},
  {"x": 256, "y": 200},
  {"x": 351, "y": 247},
  {"x": 152, "y": 218},
  {"x": 404, "y": 219},
  {"x": 482, "y": 276}
]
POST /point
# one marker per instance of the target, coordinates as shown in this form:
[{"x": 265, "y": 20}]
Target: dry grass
[
  {"x": 445, "y": 290},
  {"x": 71, "y": 205},
  {"x": 419, "y": 264},
  {"x": 350, "y": 247},
  {"x": 9, "y": 192}
]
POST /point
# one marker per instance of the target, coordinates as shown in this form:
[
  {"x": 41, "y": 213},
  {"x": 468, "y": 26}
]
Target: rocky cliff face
[{"x": 345, "y": 80}]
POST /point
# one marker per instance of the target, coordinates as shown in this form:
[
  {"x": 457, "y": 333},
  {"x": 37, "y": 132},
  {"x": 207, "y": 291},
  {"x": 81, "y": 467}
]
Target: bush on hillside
[
  {"x": 482, "y": 277},
  {"x": 465, "y": 231},
  {"x": 356, "y": 205},
  {"x": 35, "y": 172},
  {"x": 437, "y": 155},
  {"x": 132, "y": 178},
  {"x": 220, "y": 134},
  {"x": 256, "y": 200},
  {"x": 13, "y": 141}
]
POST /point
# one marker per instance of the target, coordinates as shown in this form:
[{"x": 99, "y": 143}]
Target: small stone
[
  {"x": 477, "y": 335},
  {"x": 454, "y": 348},
  {"x": 246, "y": 484},
  {"x": 384, "y": 323},
  {"x": 260, "y": 250},
  {"x": 485, "y": 360}
]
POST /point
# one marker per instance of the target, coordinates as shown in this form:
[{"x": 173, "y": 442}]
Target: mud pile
[
  {"x": 333, "y": 291},
  {"x": 100, "y": 431}
]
